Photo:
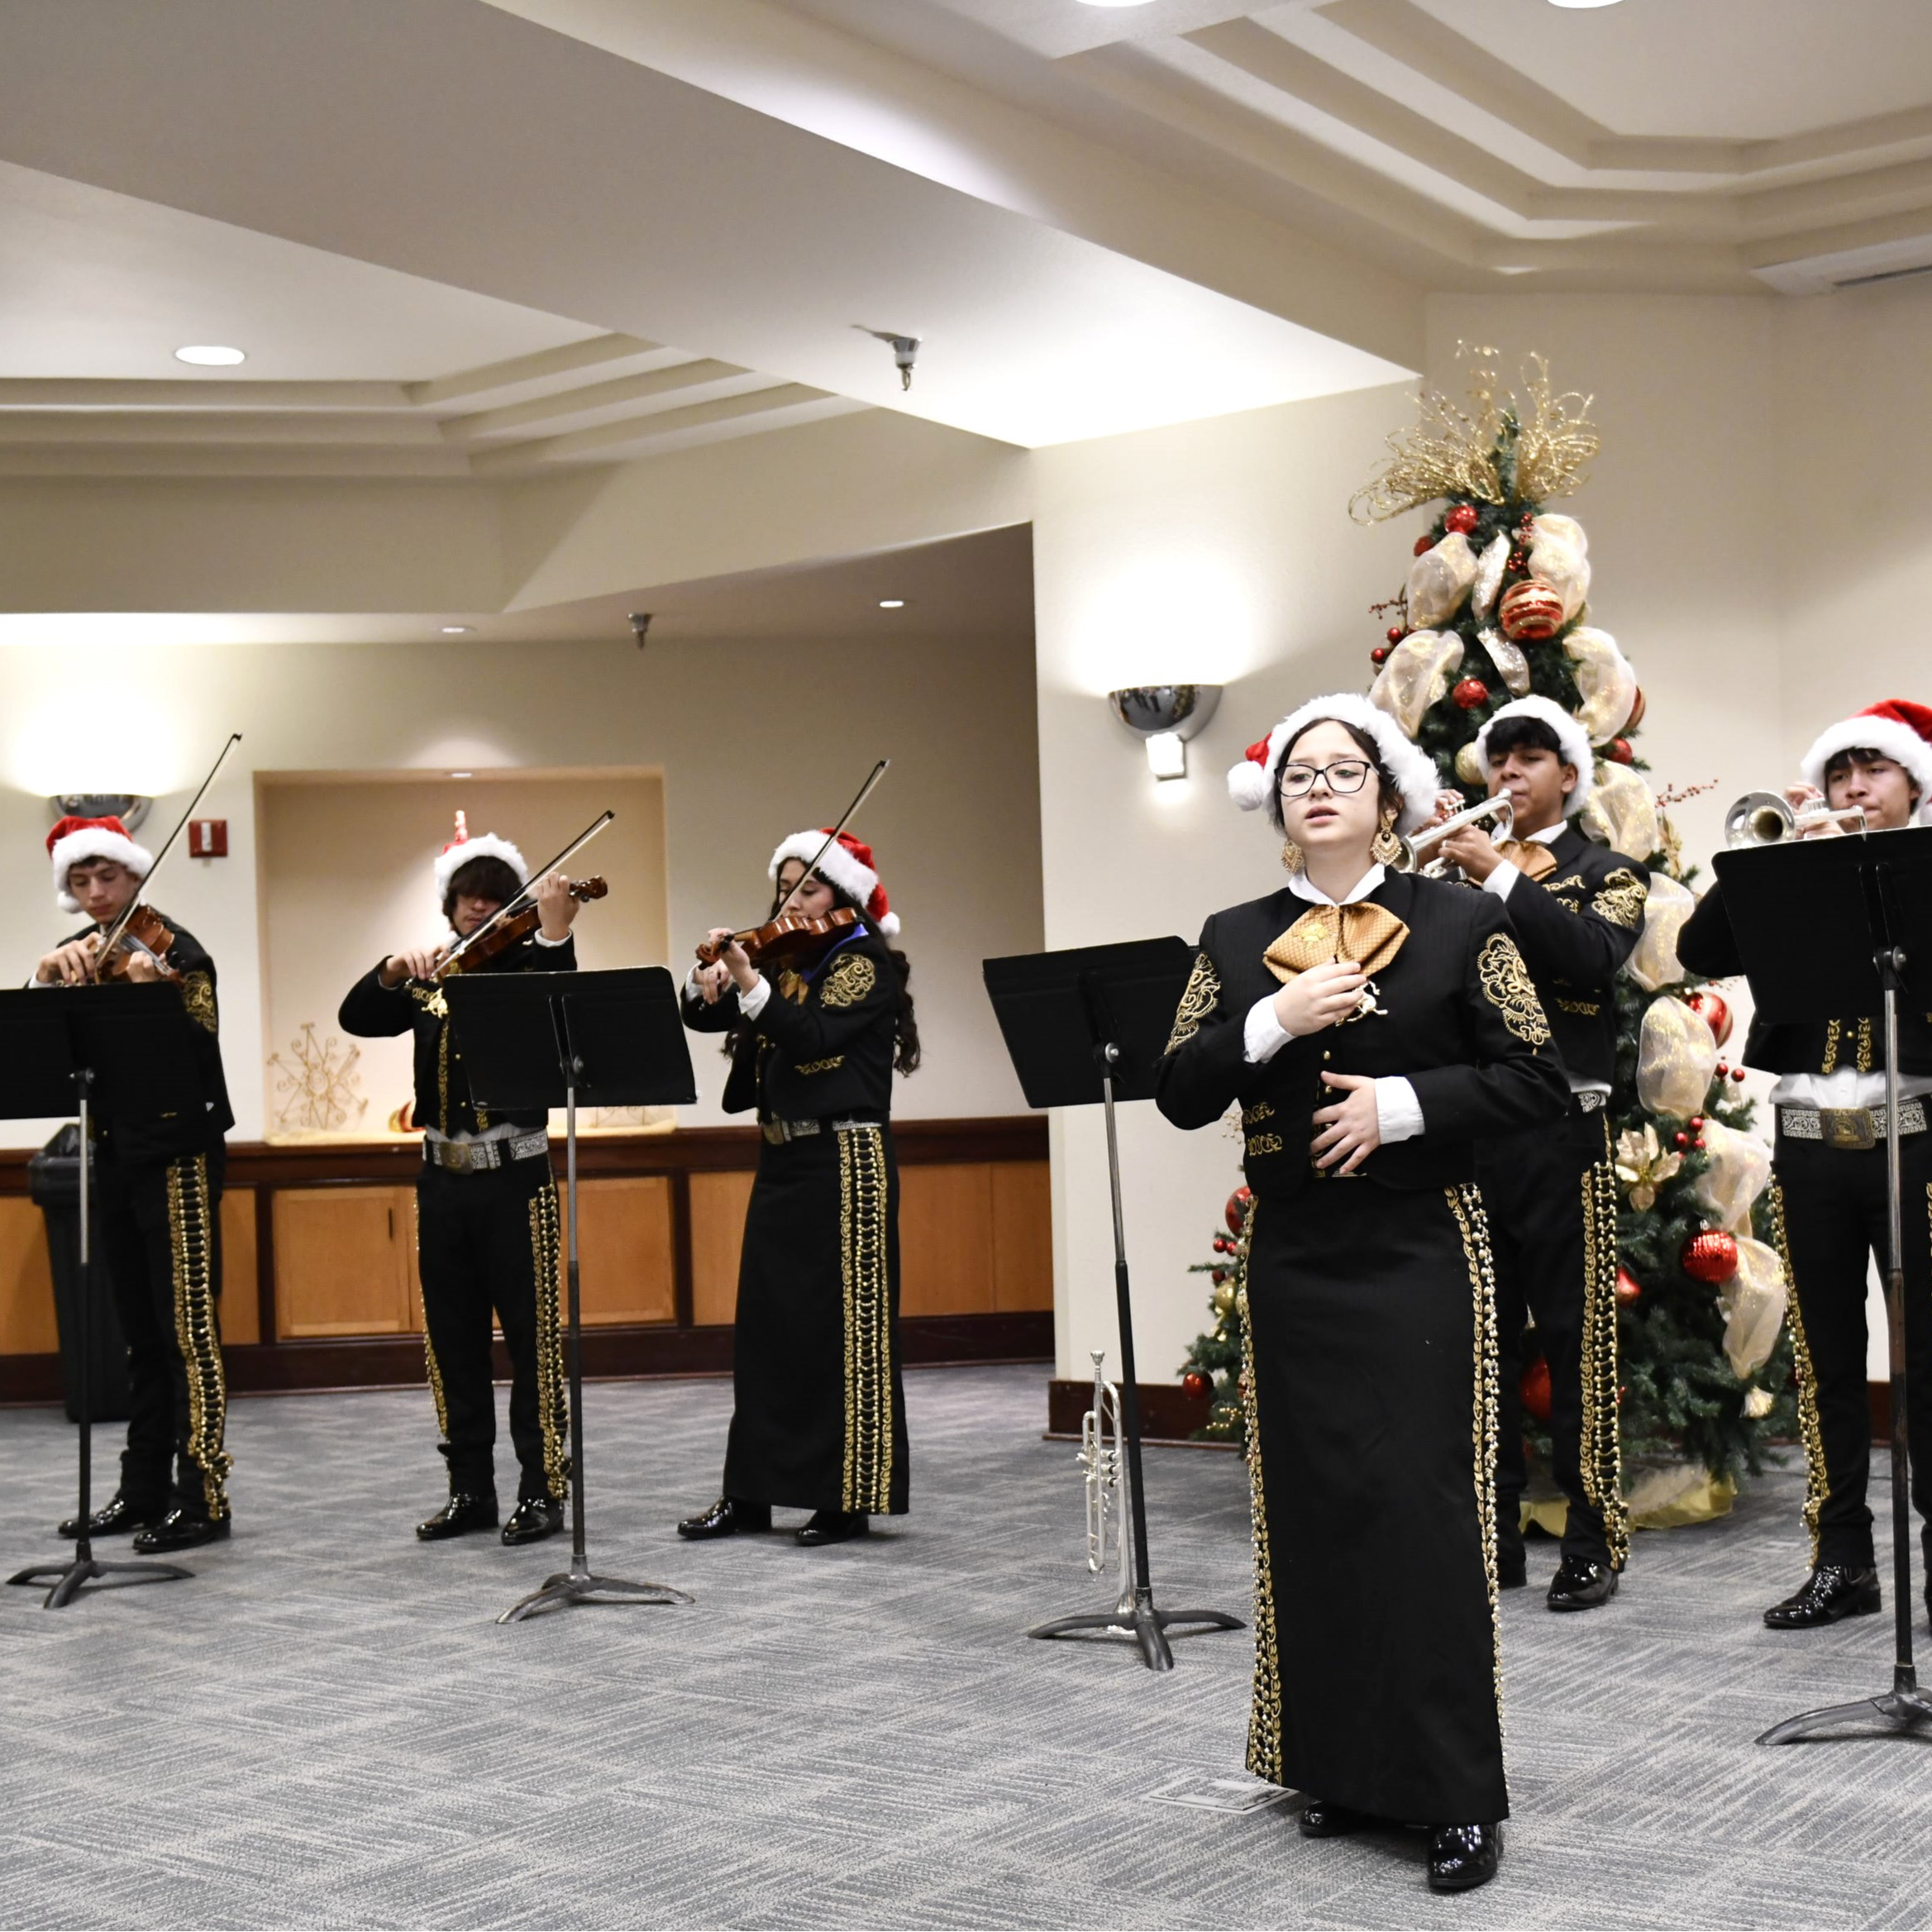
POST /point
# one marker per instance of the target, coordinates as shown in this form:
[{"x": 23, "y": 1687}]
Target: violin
[
  {"x": 782, "y": 937},
  {"x": 141, "y": 930},
  {"x": 509, "y": 928}
]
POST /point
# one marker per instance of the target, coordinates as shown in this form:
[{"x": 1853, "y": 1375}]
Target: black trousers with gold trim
[
  {"x": 1830, "y": 1206},
  {"x": 819, "y": 1417},
  {"x": 1552, "y": 1197},
  {"x": 1371, "y": 1338},
  {"x": 487, "y": 1246},
  {"x": 160, "y": 1237}
]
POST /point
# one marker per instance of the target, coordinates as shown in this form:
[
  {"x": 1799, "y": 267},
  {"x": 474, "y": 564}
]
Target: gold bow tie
[
  {"x": 1530, "y": 857},
  {"x": 1370, "y": 935}
]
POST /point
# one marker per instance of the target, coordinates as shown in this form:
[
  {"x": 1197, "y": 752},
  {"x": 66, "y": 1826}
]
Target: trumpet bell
[{"x": 1759, "y": 818}]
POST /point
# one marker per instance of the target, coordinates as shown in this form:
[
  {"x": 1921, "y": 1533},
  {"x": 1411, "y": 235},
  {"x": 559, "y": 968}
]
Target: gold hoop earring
[
  {"x": 1291, "y": 855},
  {"x": 1387, "y": 845}
]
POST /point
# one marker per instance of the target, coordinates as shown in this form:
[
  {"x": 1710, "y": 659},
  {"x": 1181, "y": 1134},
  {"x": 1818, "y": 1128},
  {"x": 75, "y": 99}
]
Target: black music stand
[
  {"x": 1091, "y": 1024},
  {"x": 1867, "y": 905},
  {"x": 547, "y": 1040},
  {"x": 66, "y": 1048}
]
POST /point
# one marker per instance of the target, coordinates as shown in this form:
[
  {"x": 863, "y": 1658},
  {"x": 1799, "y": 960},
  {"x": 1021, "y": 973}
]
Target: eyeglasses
[{"x": 1345, "y": 775}]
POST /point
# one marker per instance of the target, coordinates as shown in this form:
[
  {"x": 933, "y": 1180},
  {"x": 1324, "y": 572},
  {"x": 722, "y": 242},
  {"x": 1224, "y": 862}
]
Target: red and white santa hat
[
  {"x": 1897, "y": 728},
  {"x": 73, "y": 841},
  {"x": 848, "y": 864},
  {"x": 1413, "y": 770},
  {"x": 463, "y": 848},
  {"x": 1572, "y": 741}
]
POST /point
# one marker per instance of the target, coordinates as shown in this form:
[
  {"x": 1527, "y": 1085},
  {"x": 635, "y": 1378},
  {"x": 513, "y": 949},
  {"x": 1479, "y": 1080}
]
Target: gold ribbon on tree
[
  {"x": 1654, "y": 963},
  {"x": 1439, "y": 579},
  {"x": 1739, "y": 1166},
  {"x": 1676, "y": 1059},
  {"x": 1415, "y": 676},
  {"x": 1753, "y": 1305},
  {"x": 1370, "y": 935},
  {"x": 1606, "y": 683},
  {"x": 1622, "y": 812}
]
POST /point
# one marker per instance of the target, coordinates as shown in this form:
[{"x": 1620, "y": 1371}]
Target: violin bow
[
  {"x": 845, "y": 818},
  {"x": 111, "y": 936},
  {"x": 523, "y": 891}
]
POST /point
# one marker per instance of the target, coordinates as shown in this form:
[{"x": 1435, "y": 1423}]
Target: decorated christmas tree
[{"x": 1496, "y": 606}]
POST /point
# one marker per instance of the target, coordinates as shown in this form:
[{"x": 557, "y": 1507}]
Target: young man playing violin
[
  {"x": 158, "y": 1181},
  {"x": 486, "y": 1206}
]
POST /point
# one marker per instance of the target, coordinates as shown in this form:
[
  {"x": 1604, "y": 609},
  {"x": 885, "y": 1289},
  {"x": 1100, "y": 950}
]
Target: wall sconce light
[
  {"x": 130, "y": 808},
  {"x": 1165, "y": 717}
]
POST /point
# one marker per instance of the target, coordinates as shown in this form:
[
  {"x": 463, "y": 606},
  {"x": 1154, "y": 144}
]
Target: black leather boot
[
  {"x": 727, "y": 1517},
  {"x": 833, "y": 1526},
  {"x": 461, "y": 1514},
  {"x": 1461, "y": 1857},
  {"x": 183, "y": 1528},
  {"x": 116, "y": 1518},
  {"x": 1581, "y": 1583},
  {"x": 1831, "y": 1593},
  {"x": 534, "y": 1519},
  {"x": 1319, "y": 1819}
]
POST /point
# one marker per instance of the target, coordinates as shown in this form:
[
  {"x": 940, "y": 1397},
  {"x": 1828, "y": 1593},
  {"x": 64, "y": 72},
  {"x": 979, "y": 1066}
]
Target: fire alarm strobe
[{"x": 207, "y": 838}]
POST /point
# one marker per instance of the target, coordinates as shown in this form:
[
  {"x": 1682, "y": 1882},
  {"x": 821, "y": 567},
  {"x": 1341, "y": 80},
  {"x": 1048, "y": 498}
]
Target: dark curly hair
[
  {"x": 486, "y": 876},
  {"x": 1391, "y": 792}
]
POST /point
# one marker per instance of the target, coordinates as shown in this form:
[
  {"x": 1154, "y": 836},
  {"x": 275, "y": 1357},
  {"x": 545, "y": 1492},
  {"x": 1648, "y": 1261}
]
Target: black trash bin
[{"x": 53, "y": 1181}]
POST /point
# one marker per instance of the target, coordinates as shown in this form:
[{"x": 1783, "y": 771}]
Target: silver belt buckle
[
  {"x": 1853, "y": 1129},
  {"x": 774, "y": 1132}
]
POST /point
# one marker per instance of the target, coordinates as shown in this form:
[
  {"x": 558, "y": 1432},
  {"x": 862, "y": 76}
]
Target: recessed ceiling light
[
  {"x": 210, "y": 356},
  {"x": 457, "y": 630},
  {"x": 1580, "y": 5},
  {"x": 892, "y": 603}
]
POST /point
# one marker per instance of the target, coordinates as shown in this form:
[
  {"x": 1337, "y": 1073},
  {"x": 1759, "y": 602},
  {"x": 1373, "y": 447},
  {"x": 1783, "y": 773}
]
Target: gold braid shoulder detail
[
  {"x": 850, "y": 981},
  {"x": 1621, "y": 900},
  {"x": 1509, "y": 988},
  {"x": 1203, "y": 996},
  {"x": 197, "y": 995}
]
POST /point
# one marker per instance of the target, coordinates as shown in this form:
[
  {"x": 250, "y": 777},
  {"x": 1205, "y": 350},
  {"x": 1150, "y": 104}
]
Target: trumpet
[
  {"x": 1765, "y": 818},
  {"x": 1496, "y": 814},
  {"x": 1103, "y": 1462}
]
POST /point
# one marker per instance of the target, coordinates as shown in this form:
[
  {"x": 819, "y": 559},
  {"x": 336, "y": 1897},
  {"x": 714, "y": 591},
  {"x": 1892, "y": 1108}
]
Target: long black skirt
[
  {"x": 1371, "y": 1367},
  {"x": 820, "y": 1417}
]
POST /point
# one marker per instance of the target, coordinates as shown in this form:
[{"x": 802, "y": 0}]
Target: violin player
[
  {"x": 486, "y": 1204},
  {"x": 816, "y": 1024},
  {"x": 159, "y": 1182}
]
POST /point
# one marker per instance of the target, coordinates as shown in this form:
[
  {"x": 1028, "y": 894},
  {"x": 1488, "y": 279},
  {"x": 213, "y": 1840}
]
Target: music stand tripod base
[
  {"x": 1140, "y": 1620},
  {"x": 1903, "y": 1708},
  {"x": 575, "y": 1586},
  {"x": 69, "y": 1579}
]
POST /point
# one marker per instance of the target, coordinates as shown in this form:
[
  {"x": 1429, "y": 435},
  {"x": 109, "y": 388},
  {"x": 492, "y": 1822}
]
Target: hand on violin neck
[
  {"x": 71, "y": 964},
  {"x": 556, "y": 906}
]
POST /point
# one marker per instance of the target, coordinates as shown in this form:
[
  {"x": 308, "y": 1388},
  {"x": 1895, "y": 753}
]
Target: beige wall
[{"x": 755, "y": 741}]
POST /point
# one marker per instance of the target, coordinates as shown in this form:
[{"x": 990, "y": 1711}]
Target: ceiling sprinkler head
[
  {"x": 905, "y": 352},
  {"x": 640, "y": 625}
]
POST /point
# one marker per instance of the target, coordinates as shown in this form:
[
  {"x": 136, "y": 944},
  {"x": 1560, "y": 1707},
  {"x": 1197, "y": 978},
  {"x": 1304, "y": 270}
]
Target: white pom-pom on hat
[
  {"x": 1250, "y": 782},
  {"x": 1572, "y": 740}
]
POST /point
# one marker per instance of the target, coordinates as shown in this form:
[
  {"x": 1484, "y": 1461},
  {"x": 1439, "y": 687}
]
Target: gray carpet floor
[{"x": 326, "y": 1728}]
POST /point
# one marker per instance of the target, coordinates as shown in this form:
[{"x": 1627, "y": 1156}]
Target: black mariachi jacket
[
  {"x": 167, "y": 1136},
  {"x": 1706, "y": 945},
  {"x": 821, "y": 1048},
  {"x": 1577, "y": 927},
  {"x": 374, "y": 1011},
  {"x": 1462, "y": 1024}
]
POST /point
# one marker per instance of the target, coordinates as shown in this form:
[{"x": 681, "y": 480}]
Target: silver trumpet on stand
[
  {"x": 1496, "y": 814},
  {"x": 1765, "y": 818},
  {"x": 1103, "y": 1462}
]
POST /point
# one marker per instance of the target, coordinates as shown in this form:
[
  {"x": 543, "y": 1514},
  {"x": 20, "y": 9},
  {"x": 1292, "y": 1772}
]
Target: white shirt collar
[
  {"x": 1303, "y": 887},
  {"x": 1550, "y": 833}
]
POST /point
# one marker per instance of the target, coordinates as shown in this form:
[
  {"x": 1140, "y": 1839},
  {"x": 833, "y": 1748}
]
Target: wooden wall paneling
[
  {"x": 717, "y": 1235},
  {"x": 241, "y": 1305},
  {"x": 945, "y": 1240},
  {"x": 27, "y": 1326},
  {"x": 625, "y": 1263},
  {"x": 1023, "y": 1236},
  {"x": 341, "y": 1265}
]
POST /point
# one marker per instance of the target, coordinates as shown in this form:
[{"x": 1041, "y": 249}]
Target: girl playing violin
[{"x": 816, "y": 1026}]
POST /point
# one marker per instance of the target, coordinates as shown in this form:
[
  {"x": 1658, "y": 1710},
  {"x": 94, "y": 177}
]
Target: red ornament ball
[
  {"x": 1697, "y": 1123},
  {"x": 1423, "y": 545},
  {"x": 1396, "y": 633},
  {"x": 1698, "y": 1143},
  {"x": 1471, "y": 692},
  {"x": 1683, "y": 1140},
  {"x": 1534, "y": 1389},
  {"x": 1618, "y": 752},
  {"x": 1462, "y": 519},
  {"x": 1531, "y": 612},
  {"x": 1629, "y": 1289},
  {"x": 1237, "y": 1208},
  {"x": 1380, "y": 654},
  {"x": 1714, "y": 1010},
  {"x": 1737, "y": 1073},
  {"x": 1710, "y": 1257},
  {"x": 1196, "y": 1386},
  {"x": 1217, "y": 1276}
]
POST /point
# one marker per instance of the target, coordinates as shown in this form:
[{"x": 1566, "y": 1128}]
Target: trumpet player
[
  {"x": 1828, "y": 1169},
  {"x": 1577, "y": 910}
]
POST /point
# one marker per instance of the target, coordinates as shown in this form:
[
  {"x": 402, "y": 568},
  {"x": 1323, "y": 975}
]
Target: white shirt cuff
[
  {"x": 541, "y": 941},
  {"x": 750, "y": 1004},
  {"x": 1500, "y": 881},
  {"x": 1263, "y": 1036},
  {"x": 1397, "y": 1111}
]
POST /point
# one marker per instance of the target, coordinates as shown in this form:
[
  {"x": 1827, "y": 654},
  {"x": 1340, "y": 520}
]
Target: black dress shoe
[
  {"x": 727, "y": 1517},
  {"x": 1831, "y": 1593},
  {"x": 534, "y": 1519},
  {"x": 1461, "y": 1857},
  {"x": 461, "y": 1514},
  {"x": 833, "y": 1526},
  {"x": 117, "y": 1518},
  {"x": 1319, "y": 1819},
  {"x": 1581, "y": 1583},
  {"x": 181, "y": 1528}
]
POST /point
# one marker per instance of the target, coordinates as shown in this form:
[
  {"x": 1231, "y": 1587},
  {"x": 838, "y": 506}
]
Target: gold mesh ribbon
[
  {"x": 1534, "y": 860},
  {"x": 1370, "y": 935}
]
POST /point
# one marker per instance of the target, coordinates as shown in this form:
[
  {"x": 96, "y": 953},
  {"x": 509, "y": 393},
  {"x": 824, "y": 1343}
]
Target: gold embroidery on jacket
[
  {"x": 838, "y": 1060},
  {"x": 1203, "y": 995},
  {"x": 1260, "y": 1110},
  {"x": 1621, "y": 900},
  {"x": 197, "y": 995},
  {"x": 1265, "y": 1144},
  {"x": 850, "y": 981},
  {"x": 1583, "y": 1008},
  {"x": 1509, "y": 989},
  {"x": 1834, "y": 1030}
]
